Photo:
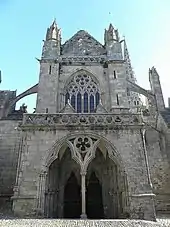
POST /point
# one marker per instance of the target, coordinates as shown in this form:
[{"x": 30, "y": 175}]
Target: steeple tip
[
  {"x": 54, "y": 24},
  {"x": 112, "y": 34},
  {"x": 111, "y": 28},
  {"x": 53, "y": 33}
]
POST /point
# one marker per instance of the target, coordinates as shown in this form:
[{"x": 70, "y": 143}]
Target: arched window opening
[
  {"x": 79, "y": 97},
  {"x": 91, "y": 103},
  {"x": 67, "y": 98},
  {"x": 83, "y": 93},
  {"x": 85, "y": 102},
  {"x": 73, "y": 101},
  {"x": 50, "y": 69}
]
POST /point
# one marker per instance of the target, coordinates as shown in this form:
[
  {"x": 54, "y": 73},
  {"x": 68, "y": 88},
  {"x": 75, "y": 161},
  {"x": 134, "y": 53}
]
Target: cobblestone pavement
[
  {"x": 81, "y": 223},
  {"x": 164, "y": 221}
]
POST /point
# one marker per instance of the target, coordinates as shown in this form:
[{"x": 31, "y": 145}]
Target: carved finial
[
  {"x": 54, "y": 22},
  {"x": 111, "y": 28},
  {"x": 111, "y": 34},
  {"x": 53, "y": 32}
]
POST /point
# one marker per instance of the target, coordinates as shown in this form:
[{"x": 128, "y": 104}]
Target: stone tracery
[{"x": 83, "y": 93}]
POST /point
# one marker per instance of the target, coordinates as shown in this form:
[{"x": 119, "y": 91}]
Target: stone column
[
  {"x": 41, "y": 194},
  {"x": 83, "y": 195}
]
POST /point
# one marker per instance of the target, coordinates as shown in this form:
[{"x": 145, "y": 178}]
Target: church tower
[
  {"x": 116, "y": 69},
  {"x": 82, "y": 152},
  {"x": 49, "y": 71}
]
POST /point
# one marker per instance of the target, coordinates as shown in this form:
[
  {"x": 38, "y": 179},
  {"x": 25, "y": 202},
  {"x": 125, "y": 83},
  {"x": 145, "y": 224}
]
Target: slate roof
[{"x": 82, "y": 43}]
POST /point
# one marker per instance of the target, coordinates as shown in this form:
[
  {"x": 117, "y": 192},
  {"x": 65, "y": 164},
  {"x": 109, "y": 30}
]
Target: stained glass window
[
  {"x": 85, "y": 102},
  {"x": 78, "y": 103},
  {"x": 83, "y": 93}
]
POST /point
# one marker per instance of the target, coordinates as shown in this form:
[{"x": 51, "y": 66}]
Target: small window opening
[
  {"x": 128, "y": 92},
  {"x": 50, "y": 69},
  {"x": 117, "y": 97},
  {"x": 135, "y": 103},
  {"x": 105, "y": 65},
  {"x": 46, "y": 110},
  {"x": 114, "y": 73}
]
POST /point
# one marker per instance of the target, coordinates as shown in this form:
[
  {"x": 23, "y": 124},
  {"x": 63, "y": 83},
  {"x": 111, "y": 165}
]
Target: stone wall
[
  {"x": 39, "y": 145},
  {"x": 9, "y": 147},
  {"x": 159, "y": 168}
]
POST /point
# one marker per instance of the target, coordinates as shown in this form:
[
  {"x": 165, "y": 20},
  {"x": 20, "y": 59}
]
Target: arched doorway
[
  {"x": 62, "y": 194},
  {"x": 72, "y": 199},
  {"x": 105, "y": 188},
  {"x": 98, "y": 192},
  {"x": 94, "y": 199}
]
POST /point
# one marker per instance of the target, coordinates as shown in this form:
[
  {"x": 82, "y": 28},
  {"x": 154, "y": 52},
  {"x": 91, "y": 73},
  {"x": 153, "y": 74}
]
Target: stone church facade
[{"x": 91, "y": 149}]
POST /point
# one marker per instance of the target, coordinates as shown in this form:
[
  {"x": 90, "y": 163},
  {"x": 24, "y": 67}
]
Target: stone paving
[{"x": 81, "y": 223}]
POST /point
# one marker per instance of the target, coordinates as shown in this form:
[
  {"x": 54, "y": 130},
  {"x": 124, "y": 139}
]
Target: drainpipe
[{"x": 146, "y": 157}]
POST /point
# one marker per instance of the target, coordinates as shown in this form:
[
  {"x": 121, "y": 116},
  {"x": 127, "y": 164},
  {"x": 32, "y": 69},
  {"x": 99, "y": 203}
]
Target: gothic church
[{"x": 91, "y": 149}]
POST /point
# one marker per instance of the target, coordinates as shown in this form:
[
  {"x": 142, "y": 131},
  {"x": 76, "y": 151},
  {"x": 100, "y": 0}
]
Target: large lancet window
[{"x": 83, "y": 93}]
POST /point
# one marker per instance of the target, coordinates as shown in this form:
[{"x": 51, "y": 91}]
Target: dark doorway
[
  {"x": 72, "y": 200},
  {"x": 94, "y": 203}
]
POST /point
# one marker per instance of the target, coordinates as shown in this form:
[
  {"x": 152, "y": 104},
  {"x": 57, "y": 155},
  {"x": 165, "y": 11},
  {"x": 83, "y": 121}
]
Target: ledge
[
  {"x": 143, "y": 195},
  {"x": 93, "y": 120}
]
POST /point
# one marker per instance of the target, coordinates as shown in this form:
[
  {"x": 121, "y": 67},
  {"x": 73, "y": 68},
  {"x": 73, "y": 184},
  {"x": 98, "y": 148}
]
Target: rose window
[
  {"x": 83, "y": 93},
  {"x": 83, "y": 144}
]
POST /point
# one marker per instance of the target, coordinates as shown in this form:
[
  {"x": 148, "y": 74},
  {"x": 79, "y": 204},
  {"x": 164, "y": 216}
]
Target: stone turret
[
  {"x": 49, "y": 71},
  {"x": 113, "y": 43},
  {"x": 111, "y": 35},
  {"x": 133, "y": 97},
  {"x": 156, "y": 88},
  {"x": 116, "y": 70},
  {"x": 52, "y": 44}
]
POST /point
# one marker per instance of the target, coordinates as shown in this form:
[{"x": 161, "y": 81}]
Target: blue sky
[{"x": 23, "y": 24}]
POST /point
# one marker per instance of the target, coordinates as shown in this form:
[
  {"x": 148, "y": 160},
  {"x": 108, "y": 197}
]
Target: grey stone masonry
[{"x": 85, "y": 152}]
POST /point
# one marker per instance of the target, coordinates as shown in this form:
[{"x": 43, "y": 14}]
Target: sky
[{"x": 23, "y": 24}]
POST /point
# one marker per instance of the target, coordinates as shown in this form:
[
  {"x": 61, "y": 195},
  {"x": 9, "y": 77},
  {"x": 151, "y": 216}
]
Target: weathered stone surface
[
  {"x": 127, "y": 152},
  {"x": 80, "y": 223},
  {"x": 82, "y": 44},
  {"x": 9, "y": 148}
]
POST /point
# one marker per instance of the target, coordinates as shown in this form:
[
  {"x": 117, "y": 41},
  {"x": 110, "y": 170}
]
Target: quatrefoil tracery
[
  {"x": 83, "y": 144},
  {"x": 83, "y": 148}
]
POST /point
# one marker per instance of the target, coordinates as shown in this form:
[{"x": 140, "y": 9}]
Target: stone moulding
[
  {"x": 79, "y": 59},
  {"x": 78, "y": 120},
  {"x": 143, "y": 195}
]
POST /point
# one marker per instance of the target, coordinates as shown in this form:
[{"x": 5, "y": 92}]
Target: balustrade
[{"x": 75, "y": 119}]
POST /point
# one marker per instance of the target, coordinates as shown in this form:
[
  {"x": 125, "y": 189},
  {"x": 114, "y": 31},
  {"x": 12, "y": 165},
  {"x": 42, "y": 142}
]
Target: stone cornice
[{"x": 81, "y": 59}]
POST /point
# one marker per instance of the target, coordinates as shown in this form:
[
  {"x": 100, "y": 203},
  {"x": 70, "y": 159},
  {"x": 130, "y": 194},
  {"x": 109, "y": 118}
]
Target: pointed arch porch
[{"x": 68, "y": 144}]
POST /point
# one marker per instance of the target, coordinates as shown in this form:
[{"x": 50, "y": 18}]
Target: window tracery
[{"x": 83, "y": 93}]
